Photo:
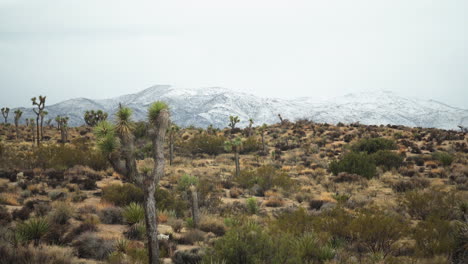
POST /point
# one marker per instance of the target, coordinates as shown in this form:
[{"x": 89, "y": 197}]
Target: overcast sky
[{"x": 316, "y": 48}]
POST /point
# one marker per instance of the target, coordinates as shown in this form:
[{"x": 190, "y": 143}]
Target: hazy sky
[{"x": 317, "y": 48}]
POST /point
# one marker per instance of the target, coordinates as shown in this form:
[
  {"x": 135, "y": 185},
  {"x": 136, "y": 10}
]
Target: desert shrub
[
  {"x": 111, "y": 215},
  {"x": 89, "y": 245},
  {"x": 32, "y": 230},
  {"x": 133, "y": 213},
  {"x": 354, "y": 163},
  {"x": 176, "y": 224},
  {"x": 387, "y": 159},
  {"x": 249, "y": 145},
  {"x": 191, "y": 237},
  {"x": 81, "y": 229},
  {"x": 5, "y": 216},
  {"x": 207, "y": 144},
  {"x": 168, "y": 201},
  {"x": 274, "y": 201},
  {"x": 84, "y": 177},
  {"x": 61, "y": 213},
  {"x": 136, "y": 231},
  {"x": 372, "y": 145},
  {"x": 59, "y": 156},
  {"x": 266, "y": 177},
  {"x": 443, "y": 157},
  {"x": 307, "y": 249},
  {"x": 316, "y": 204},
  {"x": 335, "y": 222},
  {"x": 252, "y": 205},
  {"x": 411, "y": 184},
  {"x": 377, "y": 231},
  {"x": 296, "y": 223},
  {"x": 186, "y": 181},
  {"x": 191, "y": 256},
  {"x": 26, "y": 255},
  {"x": 22, "y": 213},
  {"x": 122, "y": 195},
  {"x": 421, "y": 204},
  {"x": 213, "y": 225},
  {"x": 435, "y": 236},
  {"x": 247, "y": 243},
  {"x": 55, "y": 195},
  {"x": 347, "y": 177}
]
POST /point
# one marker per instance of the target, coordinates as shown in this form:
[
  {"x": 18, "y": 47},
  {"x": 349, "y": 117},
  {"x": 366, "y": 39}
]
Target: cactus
[
  {"x": 18, "y": 113},
  {"x": 117, "y": 142},
  {"x": 233, "y": 120},
  {"x": 40, "y": 108},
  {"x": 92, "y": 118},
  {"x": 234, "y": 145},
  {"x": 5, "y": 112}
]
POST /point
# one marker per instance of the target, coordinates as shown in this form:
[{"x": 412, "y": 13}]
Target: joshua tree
[
  {"x": 40, "y": 108},
  {"x": 18, "y": 114},
  {"x": 195, "y": 208},
  {"x": 233, "y": 120},
  {"x": 43, "y": 114},
  {"x": 57, "y": 119},
  {"x": 261, "y": 131},
  {"x": 92, "y": 118},
  {"x": 281, "y": 118},
  {"x": 250, "y": 126},
  {"x": 172, "y": 133},
  {"x": 234, "y": 145},
  {"x": 5, "y": 112},
  {"x": 117, "y": 142},
  {"x": 63, "y": 125}
]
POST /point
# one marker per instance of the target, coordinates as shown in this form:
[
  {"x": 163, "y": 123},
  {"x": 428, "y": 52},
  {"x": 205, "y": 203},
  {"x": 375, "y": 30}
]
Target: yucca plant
[
  {"x": 134, "y": 213},
  {"x": 32, "y": 230}
]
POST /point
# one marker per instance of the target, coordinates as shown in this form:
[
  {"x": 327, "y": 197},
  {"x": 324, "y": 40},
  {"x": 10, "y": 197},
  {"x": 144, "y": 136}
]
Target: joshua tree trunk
[
  {"x": 150, "y": 182},
  {"x": 263, "y": 143},
  {"x": 42, "y": 127},
  {"x": 37, "y": 131},
  {"x": 237, "y": 162},
  {"x": 195, "y": 209},
  {"x": 171, "y": 152}
]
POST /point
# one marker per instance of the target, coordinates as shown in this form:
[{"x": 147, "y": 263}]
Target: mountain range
[{"x": 213, "y": 105}]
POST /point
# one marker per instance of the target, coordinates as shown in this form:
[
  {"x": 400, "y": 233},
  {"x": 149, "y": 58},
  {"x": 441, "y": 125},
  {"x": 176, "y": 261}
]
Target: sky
[{"x": 315, "y": 48}]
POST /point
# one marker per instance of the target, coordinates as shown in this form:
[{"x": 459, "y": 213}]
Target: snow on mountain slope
[{"x": 204, "y": 106}]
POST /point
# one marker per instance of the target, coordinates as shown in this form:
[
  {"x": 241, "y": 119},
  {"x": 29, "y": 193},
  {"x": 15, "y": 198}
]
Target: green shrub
[
  {"x": 295, "y": 223},
  {"x": 377, "y": 231},
  {"x": 434, "y": 237},
  {"x": 186, "y": 181},
  {"x": 357, "y": 163},
  {"x": 207, "y": 144},
  {"x": 250, "y": 145},
  {"x": 32, "y": 230},
  {"x": 422, "y": 204},
  {"x": 61, "y": 213},
  {"x": 252, "y": 205},
  {"x": 443, "y": 157},
  {"x": 133, "y": 213},
  {"x": 89, "y": 245},
  {"x": 308, "y": 249},
  {"x": 387, "y": 159},
  {"x": 266, "y": 176},
  {"x": 111, "y": 215},
  {"x": 372, "y": 145},
  {"x": 23, "y": 255},
  {"x": 122, "y": 195}
]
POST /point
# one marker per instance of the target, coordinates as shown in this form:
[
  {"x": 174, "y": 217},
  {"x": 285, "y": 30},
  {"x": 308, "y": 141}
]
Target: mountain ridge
[{"x": 213, "y": 105}]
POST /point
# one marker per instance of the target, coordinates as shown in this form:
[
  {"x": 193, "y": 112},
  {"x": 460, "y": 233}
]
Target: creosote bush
[
  {"x": 266, "y": 176},
  {"x": 122, "y": 195},
  {"x": 372, "y": 145},
  {"x": 355, "y": 163}
]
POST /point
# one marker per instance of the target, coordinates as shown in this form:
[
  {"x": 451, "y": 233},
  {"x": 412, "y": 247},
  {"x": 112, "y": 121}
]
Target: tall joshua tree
[
  {"x": 62, "y": 122},
  {"x": 42, "y": 115},
  {"x": 261, "y": 131},
  {"x": 234, "y": 145},
  {"x": 233, "y": 120},
  {"x": 117, "y": 142},
  {"x": 92, "y": 118},
  {"x": 5, "y": 112},
  {"x": 172, "y": 134},
  {"x": 18, "y": 114},
  {"x": 250, "y": 127},
  {"x": 40, "y": 108}
]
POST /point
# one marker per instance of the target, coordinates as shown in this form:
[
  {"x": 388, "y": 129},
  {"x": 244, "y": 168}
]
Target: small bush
[
  {"x": 266, "y": 177},
  {"x": 89, "y": 245},
  {"x": 387, "y": 159},
  {"x": 249, "y": 145},
  {"x": 5, "y": 216},
  {"x": 372, "y": 145},
  {"x": 61, "y": 213},
  {"x": 354, "y": 163},
  {"x": 191, "y": 237},
  {"x": 176, "y": 225},
  {"x": 435, "y": 237},
  {"x": 111, "y": 215},
  {"x": 252, "y": 205},
  {"x": 186, "y": 181},
  {"x": 409, "y": 185},
  {"x": 122, "y": 195},
  {"x": 422, "y": 204},
  {"x": 213, "y": 225},
  {"x": 443, "y": 157},
  {"x": 207, "y": 144},
  {"x": 133, "y": 213},
  {"x": 136, "y": 231},
  {"x": 23, "y": 255}
]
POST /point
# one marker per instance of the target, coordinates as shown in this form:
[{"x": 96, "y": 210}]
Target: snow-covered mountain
[{"x": 204, "y": 106}]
